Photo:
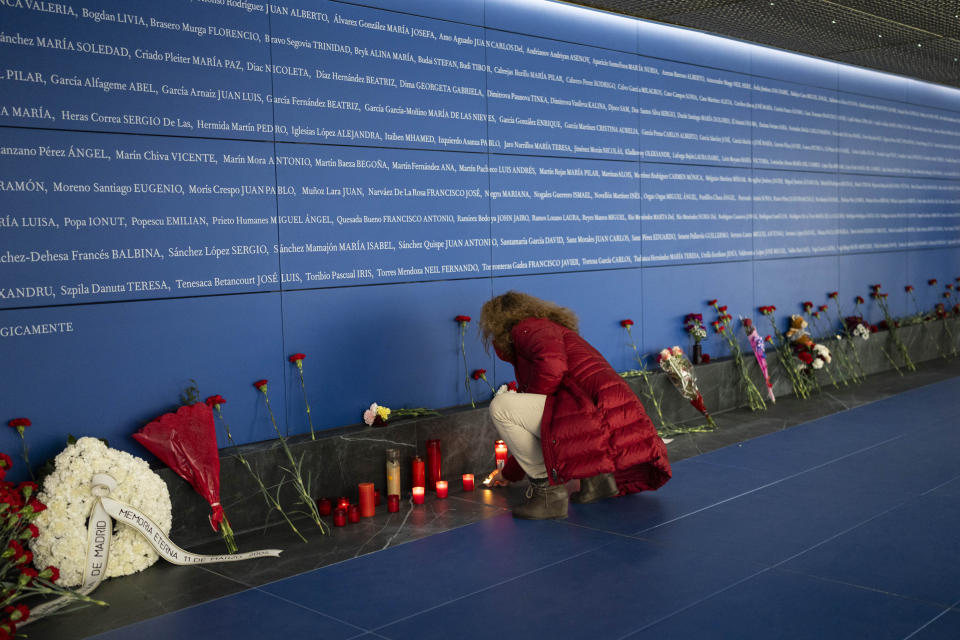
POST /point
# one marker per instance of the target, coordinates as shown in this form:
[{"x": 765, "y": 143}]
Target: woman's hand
[{"x": 495, "y": 479}]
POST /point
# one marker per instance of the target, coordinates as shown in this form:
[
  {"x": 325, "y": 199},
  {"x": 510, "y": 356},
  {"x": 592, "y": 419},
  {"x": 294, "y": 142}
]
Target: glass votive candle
[
  {"x": 376, "y": 497},
  {"x": 418, "y": 495},
  {"x": 353, "y": 514},
  {"x": 343, "y": 503},
  {"x": 324, "y": 506},
  {"x": 468, "y": 482},
  {"x": 339, "y": 518},
  {"x": 393, "y": 503},
  {"x": 442, "y": 488}
]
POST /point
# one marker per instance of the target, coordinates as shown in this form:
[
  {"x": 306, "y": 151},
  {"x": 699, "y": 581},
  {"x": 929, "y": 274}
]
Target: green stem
[
  {"x": 271, "y": 501},
  {"x": 306, "y": 402},
  {"x": 466, "y": 369}
]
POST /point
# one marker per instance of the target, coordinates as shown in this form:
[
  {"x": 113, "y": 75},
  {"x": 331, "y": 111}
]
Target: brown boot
[
  {"x": 544, "y": 502},
  {"x": 595, "y": 488}
]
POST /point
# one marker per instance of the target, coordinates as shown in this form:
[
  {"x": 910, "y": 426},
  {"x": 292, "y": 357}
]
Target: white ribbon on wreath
[{"x": 105, "y": 510}]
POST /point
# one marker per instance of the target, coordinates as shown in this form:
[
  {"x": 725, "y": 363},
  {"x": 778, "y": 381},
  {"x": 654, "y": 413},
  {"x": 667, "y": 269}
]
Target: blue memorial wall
[{"x": 195, "y": 190}]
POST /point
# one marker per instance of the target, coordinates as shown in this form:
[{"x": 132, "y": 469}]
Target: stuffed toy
[{"x": 797, "y": 333}]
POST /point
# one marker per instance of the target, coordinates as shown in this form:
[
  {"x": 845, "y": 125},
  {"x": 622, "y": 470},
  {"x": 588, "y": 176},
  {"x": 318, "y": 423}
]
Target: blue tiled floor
[{"x": 845, "y": 527}]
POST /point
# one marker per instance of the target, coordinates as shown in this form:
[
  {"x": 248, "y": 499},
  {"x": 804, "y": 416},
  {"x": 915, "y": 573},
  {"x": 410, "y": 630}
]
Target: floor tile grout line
[
  {"x": 493, "y": 586},
  {"x": 770, "y": 484},
  {"x": 932, "y": 620},
  {"x": 942, "y": 484},
  {"x": 319, "y": 613},
  {"x": 694, "y": 603}
]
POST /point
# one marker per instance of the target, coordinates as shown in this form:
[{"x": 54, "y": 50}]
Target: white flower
[
  {"x": 66, "y": 492},
  {"x": 817, "y": 363},
  {"x": 677, "y": 351},
  {"x": 665, "y": 354},
  {"x": 504, "y": 389},
  {"x": 862, "y": 332},
  {"x": 370, "y": 414},
  {"x": 823, "y": 352}
]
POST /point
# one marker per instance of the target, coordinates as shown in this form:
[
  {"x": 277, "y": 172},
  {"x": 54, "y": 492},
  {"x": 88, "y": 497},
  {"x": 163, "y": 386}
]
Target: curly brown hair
[{"x": 500, "y": 314}]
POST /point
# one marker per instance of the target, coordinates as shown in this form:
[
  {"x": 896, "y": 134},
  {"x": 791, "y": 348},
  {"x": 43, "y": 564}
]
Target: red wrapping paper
[{"x": 186, "y": 441}]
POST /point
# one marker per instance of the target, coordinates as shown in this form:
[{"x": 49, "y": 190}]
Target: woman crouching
[{"x": 574, "y": 418}]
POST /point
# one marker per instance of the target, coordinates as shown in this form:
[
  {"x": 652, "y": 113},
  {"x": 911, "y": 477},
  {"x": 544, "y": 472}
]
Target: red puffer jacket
[{"x": 592, "y": 421}]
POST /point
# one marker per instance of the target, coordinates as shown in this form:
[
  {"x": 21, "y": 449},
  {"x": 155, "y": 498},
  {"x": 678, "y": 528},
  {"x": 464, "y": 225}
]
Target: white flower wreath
[{"x": 66, "y": 492}]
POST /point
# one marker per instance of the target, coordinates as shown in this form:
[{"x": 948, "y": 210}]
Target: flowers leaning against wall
[{"x": 66, "y": 492}]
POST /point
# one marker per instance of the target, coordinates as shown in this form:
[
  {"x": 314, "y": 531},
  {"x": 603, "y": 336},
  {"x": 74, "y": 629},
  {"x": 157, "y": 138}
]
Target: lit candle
[
  {"x": 324, "y": 506},
  {"x": 393, "y": 503},
  {"x": 500, "y": 451},
  {"x": 442, "y": 488},
  {"x": 367, "y": 506},
  {"x": 419, "y": 472},
  {"x": 353, "y": 514},
  {"x": 418, "y": 495},
  {"x": 468, "y": 482},
  {"x": 339, "y": 518},
  {"x": 343, "y": 503}
]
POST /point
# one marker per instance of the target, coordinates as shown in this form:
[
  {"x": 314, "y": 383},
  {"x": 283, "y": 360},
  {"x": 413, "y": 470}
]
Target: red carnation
[
  {"x": 722, "y": 309},
  {"x": 28, "y": 489},
  {"x": 20, "y": 424},
  {"x": 626, "y": 323},
  {"x": 705, "y": 358},
  {"x": 805, "y": 357},
  {"x": 946, "y": 294},
  {"x": 27, "y": 574},
  {"x": 950, "y": 286},
  {"x": 462, "y": 319},
  {"x": 859, "y": 300},
  {"x": 51, "y": 573},
  {"x": 215, "y": 401},
  {"x": 5, "y": 461},
  {"x": 833, "y": 295},
  {"x": 30, "y": 532},
  {"x": 297, "y": 357},
  {"x": 711, "y": 302},
  {"x": 747, "y": 322},
  {"x": 807, "y": 305},
  {"x": 36, "y": 505},
  {"x": 261, "y": 385},
  {"x": 908, "y": 288},
  {"x": 768, "y": 338},
  {"x": 479, "y": 373},
  {"x": 823, "y": 307},
  {"x": 18, "y": 612},
  {"x": 876, "y": 287},
  {"x": 512, "y": 385},
  {"x": 932, "y": 281}
]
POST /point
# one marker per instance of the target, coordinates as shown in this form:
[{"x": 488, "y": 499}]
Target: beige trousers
[{"x": 517, "y": 419}]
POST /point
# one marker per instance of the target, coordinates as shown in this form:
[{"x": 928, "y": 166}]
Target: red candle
[
  {"x": 468, "y": 482},
  {"x": 500, "y": 452},
  {"x": 339, "y": 518},
  {"x": 418, "y": 495},
  {"x": 376, "y": 497},
  {"x": 393, "y": 503},
  {"x": 353, "y": 514},
  {"x": 324, "y": 506},
  {"x": 442, "y": 488},
  {"x": 419, "y": 475},
  {"x": 367, "y": 506},
  {"x": 433, "y": 463},
  {"x": 343, "y": 503}
]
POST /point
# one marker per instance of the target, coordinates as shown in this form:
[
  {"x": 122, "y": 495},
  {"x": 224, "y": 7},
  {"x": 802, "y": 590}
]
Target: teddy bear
[{"x": 797, "y": 333}]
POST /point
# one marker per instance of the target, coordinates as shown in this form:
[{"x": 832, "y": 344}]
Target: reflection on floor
[{"x": 843, "y": 526}]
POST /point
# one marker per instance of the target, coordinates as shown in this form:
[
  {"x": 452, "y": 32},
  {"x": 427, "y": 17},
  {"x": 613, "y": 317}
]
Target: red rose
[
  {"x": 462, "y": 319},
  {"x": 932, "y": 281},
  {"x": 705, "y": 358},
  {"x": 626, "y": 323},
  {"x": 261, "y": 385},
  {"x": 833, "y": 295},
  {"x": 215, "y": 401},
  {"x": 479, "y": 373},
  {"x": 297, "y": 357}
]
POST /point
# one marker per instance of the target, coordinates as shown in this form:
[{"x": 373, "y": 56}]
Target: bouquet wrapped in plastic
[
  {"x": 760, "y": 353},
  {"x": 680, "y": 372}
]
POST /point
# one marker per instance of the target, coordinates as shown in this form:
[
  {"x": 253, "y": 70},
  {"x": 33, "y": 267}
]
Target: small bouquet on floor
[
  {"x": 376, "y": 415},
  {"x": 680, "y": 372},
  {"x": 760, "y": 353}
]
